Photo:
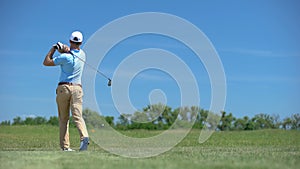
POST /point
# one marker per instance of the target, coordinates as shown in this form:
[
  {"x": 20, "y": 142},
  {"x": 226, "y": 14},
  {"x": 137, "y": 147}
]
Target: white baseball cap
[{"x": 76, "y": 37}]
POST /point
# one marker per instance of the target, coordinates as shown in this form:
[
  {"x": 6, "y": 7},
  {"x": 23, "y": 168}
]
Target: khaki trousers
[{"x": 70, "y": 97}]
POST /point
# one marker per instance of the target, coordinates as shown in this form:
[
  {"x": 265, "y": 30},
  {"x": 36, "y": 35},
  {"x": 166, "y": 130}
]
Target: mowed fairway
[{"x": 37, "y": 147}]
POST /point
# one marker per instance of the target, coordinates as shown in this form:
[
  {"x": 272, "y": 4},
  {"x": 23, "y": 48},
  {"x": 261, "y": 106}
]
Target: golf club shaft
[{"x": 92, "y": 67}]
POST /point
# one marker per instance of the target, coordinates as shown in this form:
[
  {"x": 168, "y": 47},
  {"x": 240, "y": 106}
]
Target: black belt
[{"x": 69, "y": 83}]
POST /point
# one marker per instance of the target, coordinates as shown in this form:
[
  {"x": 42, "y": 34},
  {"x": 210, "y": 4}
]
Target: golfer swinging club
[{"x": 69, "y": 91}]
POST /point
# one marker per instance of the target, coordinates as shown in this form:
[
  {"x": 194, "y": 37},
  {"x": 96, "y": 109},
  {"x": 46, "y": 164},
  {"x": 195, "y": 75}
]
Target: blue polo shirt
[{"x": 71, "y": 66}]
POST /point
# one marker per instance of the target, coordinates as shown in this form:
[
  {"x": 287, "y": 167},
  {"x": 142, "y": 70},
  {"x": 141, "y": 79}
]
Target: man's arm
[{"x": 48, "y": 61}]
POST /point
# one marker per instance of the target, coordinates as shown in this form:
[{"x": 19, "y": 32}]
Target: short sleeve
[{"x": 59, "y": 60}]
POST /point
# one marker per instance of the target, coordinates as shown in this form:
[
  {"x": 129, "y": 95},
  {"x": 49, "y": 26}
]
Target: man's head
[{"x": 76, "y": 39}]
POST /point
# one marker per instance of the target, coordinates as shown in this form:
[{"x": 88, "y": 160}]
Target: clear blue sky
[{"x": 257, "y": 41}]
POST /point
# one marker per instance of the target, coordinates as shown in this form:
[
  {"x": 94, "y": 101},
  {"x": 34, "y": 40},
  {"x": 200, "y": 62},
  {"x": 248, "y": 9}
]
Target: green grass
[{"x": 38, "y": 147}]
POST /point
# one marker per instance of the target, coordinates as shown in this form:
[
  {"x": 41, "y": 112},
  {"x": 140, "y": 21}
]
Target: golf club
[{"x": 102, "y": 74}]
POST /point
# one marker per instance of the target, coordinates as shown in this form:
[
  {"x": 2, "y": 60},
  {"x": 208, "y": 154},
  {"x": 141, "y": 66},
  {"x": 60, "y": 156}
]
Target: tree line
[{"x": 161, "y": 117}]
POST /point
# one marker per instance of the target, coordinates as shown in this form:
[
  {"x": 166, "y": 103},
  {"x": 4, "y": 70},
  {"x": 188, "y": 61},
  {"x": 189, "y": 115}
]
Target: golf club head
[{"x": 109, "y": 82}]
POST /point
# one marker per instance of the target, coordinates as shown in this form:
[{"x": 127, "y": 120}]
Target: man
[{"x": 69, "y": 91}]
